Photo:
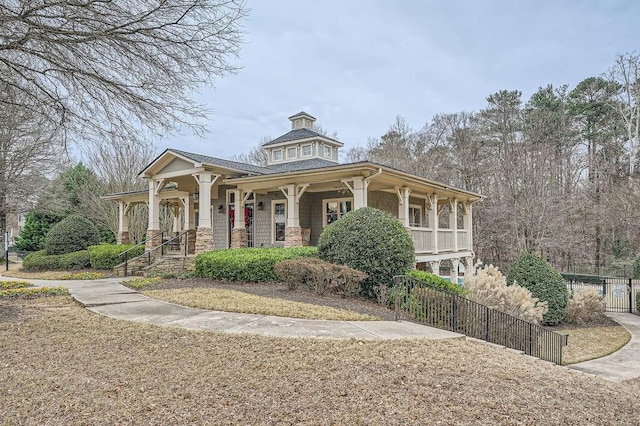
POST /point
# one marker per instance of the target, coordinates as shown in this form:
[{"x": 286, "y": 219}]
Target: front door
[{"x": 248, "y": 222}]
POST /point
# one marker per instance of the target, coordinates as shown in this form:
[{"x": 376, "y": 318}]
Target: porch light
[
  {"x": 196, "y": 195},
  {"x": 220, "y": 208},
  {"x": 260, "y": 205}
]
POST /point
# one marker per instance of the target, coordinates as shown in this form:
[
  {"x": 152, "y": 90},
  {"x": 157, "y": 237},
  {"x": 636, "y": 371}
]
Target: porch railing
[
  {"x": 423, "y": 239},
  {"x": 177, "y": 240},
  {"x": 439, "y": 308}
]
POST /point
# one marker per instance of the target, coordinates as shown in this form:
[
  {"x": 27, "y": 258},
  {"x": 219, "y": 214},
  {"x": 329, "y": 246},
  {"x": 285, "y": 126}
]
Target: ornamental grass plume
[{"x": 489, "y": 287}]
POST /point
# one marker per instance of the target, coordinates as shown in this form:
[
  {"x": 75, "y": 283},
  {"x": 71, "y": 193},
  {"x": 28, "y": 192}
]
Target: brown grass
[
  {"x": 594, "y": 342},
  {"x": 64, "y": 365},
  {"x": 16, "y": 272},
  {"x": 238, "y": 301}
]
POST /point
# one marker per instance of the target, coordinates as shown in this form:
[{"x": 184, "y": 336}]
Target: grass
[
  {"x": 591, "y": 343},
  {"x": 141, "y": 282},
  {"x": 15, "y": 272},
  {"x": 64, "y": 365},
  {"x": 238, "y": 301}
]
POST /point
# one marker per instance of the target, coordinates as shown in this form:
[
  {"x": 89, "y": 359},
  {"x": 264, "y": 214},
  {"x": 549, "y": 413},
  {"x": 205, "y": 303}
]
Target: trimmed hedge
[
  {"x": 544, "y": 282},
  {"x": 371, "y": 241},
  {"x": 41, "y": 261},
  {"x": 247, "y": 264},
  {"x": 106, "y": 256},
  {"x": 320, "y": 276},
  {"x": 582, "y": 278},
  {"x": 72, "y": 234},
  {"x": 436, "y": 281}
]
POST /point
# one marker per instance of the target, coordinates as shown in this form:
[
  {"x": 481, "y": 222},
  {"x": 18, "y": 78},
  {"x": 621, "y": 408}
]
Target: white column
[
  {"x": 453, "y": 221},
  {"x": 435, "y": 267},
  {"x": 454, "y": 271},
  {"x": 189, "y": 212},
  {"x": 403, "y": 205},
  {"x": 204, "y": 216},
  {"x": 293, "y": 208},
  {"x": 433, "y": 223},
  {"x": 468, "y": 224},
  {"x": 238, "y": 222},
  {"x": 360, "y": 193},
  {"x": 175, "y": 210},
  {"x": 154, "y": 204},
  {"x": 123, "y": 217}
]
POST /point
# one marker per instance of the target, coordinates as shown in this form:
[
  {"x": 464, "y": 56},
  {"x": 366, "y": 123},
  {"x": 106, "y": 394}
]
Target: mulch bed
[{"x": 280, "y": 291}]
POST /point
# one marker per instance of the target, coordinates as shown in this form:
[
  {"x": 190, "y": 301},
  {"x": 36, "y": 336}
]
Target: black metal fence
[
  {"x": 618, "y": 294},
  {"x": 442, "y": 309}
]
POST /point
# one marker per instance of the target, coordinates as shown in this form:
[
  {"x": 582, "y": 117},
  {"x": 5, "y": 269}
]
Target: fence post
[
  {"x": 604, "y": 287},
  {"x": 630, "y": 296},
  {"x": 453, "y": 312},
  {"x": 530, "y": 339},
  {"x": 486, "y": 334}
]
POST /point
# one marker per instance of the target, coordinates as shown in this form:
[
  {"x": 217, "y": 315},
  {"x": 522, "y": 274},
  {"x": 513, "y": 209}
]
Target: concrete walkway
[
  {"x": 623, "y": 364},
  {"x": 110, "y": 298}
]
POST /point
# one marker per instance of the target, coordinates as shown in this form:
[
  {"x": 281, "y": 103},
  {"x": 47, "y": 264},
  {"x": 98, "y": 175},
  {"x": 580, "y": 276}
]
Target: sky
[{"x": 355, "y": 65}]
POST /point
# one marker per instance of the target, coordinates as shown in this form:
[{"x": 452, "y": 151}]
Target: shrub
[
  {"x": 140, "y": 282},
  {"x": 106, "y": 256},
  {"x": 636, "y": 267},
  {"x": 489, "y": 287},
  {"x": 39, "y": 261},
  {"x": 73, "y": 233},
  {"x": 584, "y": 307},
  {"x": 545, "y": 283},
  {"x": 371, "y": 241},
  {"x": 84, "y": 276},
  {"x": 436, "y": 281},
  {"x": 583, "y": 278},
  {"x": 36, "y": 227},
  {"x": 34, "y": 291},
  {"x": 75, "y": 260},
  {"x": 319, "y": 275},
  {"x": 247, "y": 264},
  {"x": 6, "y": 285}
]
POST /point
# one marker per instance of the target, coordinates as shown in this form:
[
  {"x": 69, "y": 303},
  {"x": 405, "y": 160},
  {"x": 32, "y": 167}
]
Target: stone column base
[
  {"x": 154, "y": 239},
  {"x": 204, "y": 240},
  {"x": 190, "y": 241},
  {"x": 123, "y": 237},
  {"x": 293, "y": 236},
  {"x": 239, "y": 238}
]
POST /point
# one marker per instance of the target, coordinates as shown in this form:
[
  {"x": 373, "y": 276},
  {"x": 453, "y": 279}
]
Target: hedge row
[
  {"x": 106, "y": 256},
  {"x": 582, "y": 278},
  {"x": 40, "y": 261},
  {"x": 436, "y": 281},
  {"x": 247, "y": 264},
  {"x": 103, "y": 256}
]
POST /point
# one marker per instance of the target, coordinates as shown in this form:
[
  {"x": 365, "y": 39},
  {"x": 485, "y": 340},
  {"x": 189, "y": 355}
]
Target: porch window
[
  {"x": 279, "y": 219},
  {"x": 336, "y": 208},
  {"x": 306, "y": 150},
  {"x": 415, "y": 215},
  {"x": 277, "y": 155}
]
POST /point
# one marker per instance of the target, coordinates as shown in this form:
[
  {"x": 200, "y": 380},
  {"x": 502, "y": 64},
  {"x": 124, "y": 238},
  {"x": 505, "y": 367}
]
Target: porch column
[
  {"x": 175, "y": 210},
  {"x": 403, "y": 205},
  {"x": 239, "y": 232},
  {"x": 123, "y": 223},
  {"x": 435, "y": 267},
  {"x": 433, "y": 223},
  {"x": 293, "y": 232},
  {"x": 454, "y": 271},
  {"x": 189, "y": 223},
  {"x": 204, "y": 232},
  {"x": 154, "y": 239},
  {"x": 469, "y": 269},
  {"x": 468, "y": 224},
  {"x": 453, "y": 222},
  {"x": 359, "y": 191}
]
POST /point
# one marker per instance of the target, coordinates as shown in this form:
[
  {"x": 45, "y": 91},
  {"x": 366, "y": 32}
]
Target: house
[{"x": 218, "y": 203}]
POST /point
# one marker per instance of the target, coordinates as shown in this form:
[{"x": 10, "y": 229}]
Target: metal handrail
[
  {"x": 162, "y": 249},
  {"x": 126, "y": 252}
]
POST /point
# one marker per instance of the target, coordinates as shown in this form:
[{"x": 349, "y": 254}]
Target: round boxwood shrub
[
  {"x": 73, "y": 233},
  {"x": 544, "y": 282},
  {"x": 371, "y": 241}
]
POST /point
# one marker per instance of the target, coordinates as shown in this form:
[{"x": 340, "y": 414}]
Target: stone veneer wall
[
  {"x": 239, "y": 238},
  {"x": 154, "y": 239},
  {"x": 293, "y": 236},
  {"x": 204, "y": 240},
  {"x": 123, "y": 237},
  {"x": 190, "y": 241}
]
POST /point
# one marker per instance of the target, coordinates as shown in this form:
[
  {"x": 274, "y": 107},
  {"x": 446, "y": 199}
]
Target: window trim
[
  {"x": 295, "y": 150},
  {"x": 329, "y": 200},
  {"x": 310, "y": 150},
  {"x": 324, "y": 151},
  {"x": 419, "y": 208},
  {"x": 273, "y": 154},
  {"x": 273, "y": 219}
]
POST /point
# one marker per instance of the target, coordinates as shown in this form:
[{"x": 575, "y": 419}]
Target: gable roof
[
  {"x": 214, "y": 161},
  {"x": 299, "y": 134}
]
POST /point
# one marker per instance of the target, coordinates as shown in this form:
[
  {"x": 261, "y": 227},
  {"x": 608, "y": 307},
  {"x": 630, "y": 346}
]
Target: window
[
  {"x": 279, "y": 216},
  {"x": 415, "y": 215},
  {"x": 292, "y": 152},
  {"x": 327, "y": 151},
  {"x": 306, "y": 150},
  {"x": 277, "y": 155},
  {"x": 335, "y": 209}
]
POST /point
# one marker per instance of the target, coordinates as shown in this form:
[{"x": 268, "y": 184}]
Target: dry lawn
[
  {"x": 63, "y": 365},
  {"x": 238, "y": 301},
  {"x": 15, "y": 271},
  {"x": 595, "y": 342}
]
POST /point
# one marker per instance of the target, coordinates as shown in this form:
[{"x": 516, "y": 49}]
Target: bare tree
[
  {"x": 256, "y": 155},
  {"x": 98, "y": 68}
]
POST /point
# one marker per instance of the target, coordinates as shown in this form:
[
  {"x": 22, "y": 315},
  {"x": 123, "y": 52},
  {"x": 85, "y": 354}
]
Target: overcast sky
[{"x": 356, "y": 64}]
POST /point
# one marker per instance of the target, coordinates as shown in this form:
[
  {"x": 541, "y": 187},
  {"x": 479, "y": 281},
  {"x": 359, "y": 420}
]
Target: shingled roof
[
  {"x": 228, "y": 164},
  {"x": 298, "y": 134}
]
